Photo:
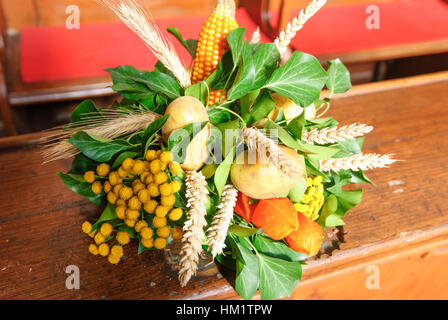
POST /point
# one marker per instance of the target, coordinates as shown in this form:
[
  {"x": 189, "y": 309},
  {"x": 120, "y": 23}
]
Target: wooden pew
[{"x": 400, "y": 229}]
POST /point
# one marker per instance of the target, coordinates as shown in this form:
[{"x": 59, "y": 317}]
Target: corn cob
[{"x": 212, "y": 44}]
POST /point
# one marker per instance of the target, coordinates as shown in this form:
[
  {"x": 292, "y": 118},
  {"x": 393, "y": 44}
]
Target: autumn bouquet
[{"x": 232, "y": 157}]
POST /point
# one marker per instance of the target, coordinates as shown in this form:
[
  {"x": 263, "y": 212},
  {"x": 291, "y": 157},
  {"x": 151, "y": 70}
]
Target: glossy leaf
[
  {"x": 338, "y": 77},
  {"x": 77, "y": 184}
]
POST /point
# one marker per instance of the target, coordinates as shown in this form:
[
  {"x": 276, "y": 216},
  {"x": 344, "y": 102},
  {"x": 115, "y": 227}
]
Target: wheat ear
[
  {"x": 217, "y": 232},
  {"x": 110, "y": 124},
  {"x": 256, "y": 36},
  {"x": 139, "y": 21},
  {"x": 284, "y": 38},
  {"x": 194, "y": 227},
  {"x": 266, "y": 147},
  {"x": 359, "y": 161},
  {"x": 335, "y": 134}
]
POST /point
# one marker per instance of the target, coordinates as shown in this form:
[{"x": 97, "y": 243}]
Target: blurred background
[{"x": 54, "y": 52}]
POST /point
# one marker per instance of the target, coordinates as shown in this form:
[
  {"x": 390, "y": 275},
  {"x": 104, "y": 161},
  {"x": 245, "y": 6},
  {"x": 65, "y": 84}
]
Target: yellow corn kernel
[{"x": 212, "y": 43}]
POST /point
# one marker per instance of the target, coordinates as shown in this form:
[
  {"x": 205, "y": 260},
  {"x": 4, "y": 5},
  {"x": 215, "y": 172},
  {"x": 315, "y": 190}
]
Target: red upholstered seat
[{"x": 55, "y": 53}]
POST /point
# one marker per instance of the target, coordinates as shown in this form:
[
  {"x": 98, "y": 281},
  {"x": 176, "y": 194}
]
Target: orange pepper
[
  {"x": 307, "y": 238},
  {"x": 277, "y": 217}
]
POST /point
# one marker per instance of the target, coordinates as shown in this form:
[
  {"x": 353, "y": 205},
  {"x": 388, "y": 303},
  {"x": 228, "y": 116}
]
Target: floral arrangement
[{"x": 231, "y": 156}]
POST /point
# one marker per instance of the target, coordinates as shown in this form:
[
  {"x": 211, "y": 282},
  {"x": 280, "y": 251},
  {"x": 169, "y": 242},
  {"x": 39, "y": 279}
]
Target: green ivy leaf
[
  {"x": 84, "y": 110},
  {"x": 77, "y": 184},
  {"x": 81, "y": 164},
  {"x": 301, "y": 79},
  {"x": 180, "y": 139},
  {"x": 216, "y": 115},
  {"x": 338, "y": 77},
  {"x": 242, "y": 231},
  {"x": 199, "y": 91},
  {"x": 297, "y": 125},
  {"x": 297, "y": 191},
  {"x": 277, "y": 277},
  {"x": 246, "y": 74},
  {"x": 190, "y": 44},
  {"x": 217, "y": 80},
  {"x": 96, "y": 148},
  {"x": 223, "y": 170},
  {"x": 262, "y": 107},
  {"x": 277, "y": 249},
  {"x": 266, "y": 60},
  {"x": 121, "y": 157},
  {"x": 235, "y": 41},
  {"x": 151, "y": 131}
]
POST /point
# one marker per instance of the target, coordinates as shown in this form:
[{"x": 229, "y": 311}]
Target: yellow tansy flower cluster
[
  {"x": 140, "y": 187},
  {"x": 313, "y": 199},
  {"x": 101, "y": 239}
]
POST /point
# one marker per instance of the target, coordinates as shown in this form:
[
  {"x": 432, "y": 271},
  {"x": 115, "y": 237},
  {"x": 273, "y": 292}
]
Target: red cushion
[
  {"x": 56, "y": 53},
  {"x": 342, "y": 29}
]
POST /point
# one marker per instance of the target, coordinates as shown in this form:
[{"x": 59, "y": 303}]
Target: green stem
[{"x": 230, "y": 111}]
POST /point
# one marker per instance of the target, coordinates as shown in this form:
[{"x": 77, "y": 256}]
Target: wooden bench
[{"x": 400, "y": 230}]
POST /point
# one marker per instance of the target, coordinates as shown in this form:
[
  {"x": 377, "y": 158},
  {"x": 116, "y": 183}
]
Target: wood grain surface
[{"x": 401, "y": 226}]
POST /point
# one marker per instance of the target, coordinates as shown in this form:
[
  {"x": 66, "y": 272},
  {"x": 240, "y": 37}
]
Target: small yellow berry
[
  {"x": 107, "y": 187},
  {"x": 158, "y": 153},
  {"x": 106, "y": 229},
  {"x": 120, "y": 202},
  {"x": 86, "y": 227},
  {"x": 146, "y": 233},
  {"x": 150, "y": 155},
  {"x": 92, "y": 234},
  {"x": 138, "y": 167},
  {"x": 116, "y": 189},
  {"x": 122, "y": 173},
  {"x": 148, "y": 243},
  {"x": 161, "y": 211},
  {"x": 143, "y": 176},
  {"x": 138, "y": 186},
  {"x": 178, "y": 233},
  {"x": 165, "y": 189},
  {"x": 168, "y": 201},
  {"x": 164, "y": 232},
  {"x": 175, "y": 214},
  {"x": 89, "y": 176},
  {"x": 160, "y": 178},
  {"x": 153, "y": 190},
  {"x": 123, "y": 237},
  {"x": 165, "y": 157},
  {"x": 114, "y": 178},
  {"x": 120, "y": 212},
  {"x": 97, "y": 188},
  {"x": 103, "y": 249},
  {"x": 175, "y": 168},
  {"x": 144, "y": 196},
  {"x": 111, "y": 197},
  {"x": 99, "y": 238},
  {"x": 149, "y": 178},
  {"x": 155, "y": 166},
  {"x": 126, "y": 193},
  {"x": 150, "y": 206},
  {"x": 117, "y": 251},
  {"x": 93, "y": 249},
  {"x": 113, "y": 259},
  {"x": 140, "y": 225},
  {"x": 309, "y": 182},
  {"x": 103, "y": 169},
  {"x": 159, "y": 222},
  {"x": 160, "y": 243},
  {"x": 132, "y": 214},
  {"x": 176, "y": 185},
  {"x": 130, "y": 223},
  {"x": 134, "y": 203},
  {"x": 127, "y": 164}
]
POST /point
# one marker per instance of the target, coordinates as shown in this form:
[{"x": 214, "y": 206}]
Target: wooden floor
[{"x": 399, "y": 232}]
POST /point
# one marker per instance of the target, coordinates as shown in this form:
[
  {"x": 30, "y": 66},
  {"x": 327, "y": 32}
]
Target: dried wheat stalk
[
  {"x": 111, "y": 124},
  {"x": 139, "y": 21},
  {"x": 256, "y": 36},
  {"x": 217, "y": 232},
  {"x": 266, "y": 147},
  {"x": 284, "y": 38},
  {"x": 335, "y": 134},
  {"x": 194, "y": 226},
  {"x": 360, "y": 161}
]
